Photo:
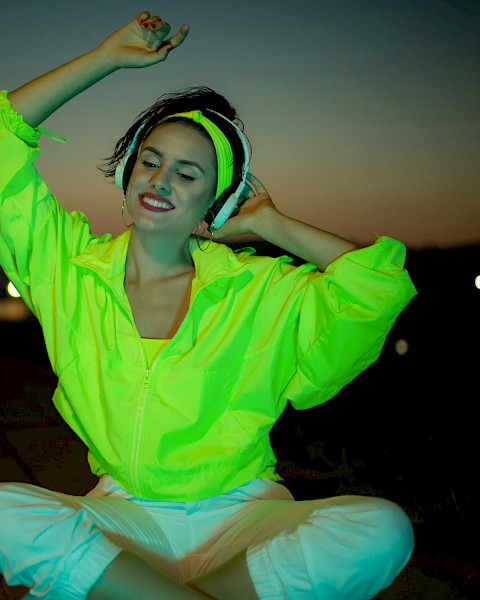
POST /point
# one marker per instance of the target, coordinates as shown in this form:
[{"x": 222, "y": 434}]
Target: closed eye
[
  {"x": 148, "y": 164},
  {"x": 188, "y": 178}
]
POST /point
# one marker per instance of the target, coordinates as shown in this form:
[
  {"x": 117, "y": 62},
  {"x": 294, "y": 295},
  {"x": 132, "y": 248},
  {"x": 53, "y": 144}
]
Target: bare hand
[
  {"x": 257, "y": 207},
  {"x": 142, "y": 42}
]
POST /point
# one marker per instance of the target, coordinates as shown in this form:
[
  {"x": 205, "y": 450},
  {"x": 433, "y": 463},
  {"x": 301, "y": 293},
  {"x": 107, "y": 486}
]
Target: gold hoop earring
[
  {"x": 123, "y": 214},
  {"x": 196, "y": 232},
  {"x": 198, "y": 228}
]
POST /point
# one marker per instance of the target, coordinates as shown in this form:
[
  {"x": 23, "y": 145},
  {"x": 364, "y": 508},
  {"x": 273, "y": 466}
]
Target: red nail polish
[
  {"x": 169, "y": 48},
  {"x": 145, "y": 25},
  {"x": 153, "y": 26}
]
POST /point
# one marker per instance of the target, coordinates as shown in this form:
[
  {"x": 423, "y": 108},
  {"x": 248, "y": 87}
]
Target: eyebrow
[{"x": 180, "y": 161}]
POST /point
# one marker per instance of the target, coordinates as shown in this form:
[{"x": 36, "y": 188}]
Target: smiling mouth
[{"x": 155, "y": 204}]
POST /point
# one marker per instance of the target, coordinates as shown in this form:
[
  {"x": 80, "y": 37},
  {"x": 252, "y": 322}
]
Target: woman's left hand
[
  {"x": 257, "y": 208},
  {"x": 141, "y": 42}
]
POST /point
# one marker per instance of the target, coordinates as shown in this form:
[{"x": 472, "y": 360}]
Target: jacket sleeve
[
  {"x": 35, "y": 232},
  {"x": 344, "y": 318}
]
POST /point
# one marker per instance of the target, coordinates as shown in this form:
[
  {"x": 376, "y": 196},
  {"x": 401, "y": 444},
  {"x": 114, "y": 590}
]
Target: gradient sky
[{"x": 364, "y": 116}]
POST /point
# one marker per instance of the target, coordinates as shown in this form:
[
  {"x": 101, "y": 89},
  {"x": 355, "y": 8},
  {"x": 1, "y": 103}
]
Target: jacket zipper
[
  {"x": 146, "y": 384},
  {"x": 146, "y": 381},
  {"x": 138, "y": 422}
]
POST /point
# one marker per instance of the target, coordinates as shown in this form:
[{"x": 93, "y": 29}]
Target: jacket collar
[
  {"x": 213, "y": 260},
  {"x": 107, "y": 257}
]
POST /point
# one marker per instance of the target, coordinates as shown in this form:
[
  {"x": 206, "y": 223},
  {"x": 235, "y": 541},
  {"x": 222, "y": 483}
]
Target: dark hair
[{"x": 183, "y": 100}]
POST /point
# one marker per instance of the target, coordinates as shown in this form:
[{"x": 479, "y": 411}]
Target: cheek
[
  {"x": 206, "y": 198},
  {"x": 211, "y": 196},
  {"x": 202, "y": 206},
  {"x": 212, "y": 188}
]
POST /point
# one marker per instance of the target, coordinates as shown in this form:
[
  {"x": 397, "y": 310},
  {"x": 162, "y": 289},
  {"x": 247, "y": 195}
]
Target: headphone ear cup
[
  {"x": 125, "y": 164},
  {"x": 124, "y": 169},
  {"x": 226, "y": 206},
  {"x": 120, "y": 169},
  {"x": 216, "y": 206}
]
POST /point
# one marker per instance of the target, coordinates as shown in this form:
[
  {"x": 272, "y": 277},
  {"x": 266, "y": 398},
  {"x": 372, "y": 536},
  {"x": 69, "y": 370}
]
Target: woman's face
[{"x": 173, "y": 181}]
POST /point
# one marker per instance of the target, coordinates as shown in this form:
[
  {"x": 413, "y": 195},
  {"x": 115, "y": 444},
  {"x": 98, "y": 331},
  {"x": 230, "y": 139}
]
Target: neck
[{"x": 156, "y": 257}]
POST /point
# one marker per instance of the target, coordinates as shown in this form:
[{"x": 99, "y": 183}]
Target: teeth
[{"x": 157, "y": 203}]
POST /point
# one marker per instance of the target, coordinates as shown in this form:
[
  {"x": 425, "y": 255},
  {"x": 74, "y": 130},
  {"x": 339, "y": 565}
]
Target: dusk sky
[{"x": 364, "y": 116}]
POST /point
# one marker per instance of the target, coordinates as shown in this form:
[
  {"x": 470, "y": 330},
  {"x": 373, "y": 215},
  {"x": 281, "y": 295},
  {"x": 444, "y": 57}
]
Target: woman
[{"x": 175, "y": 359}]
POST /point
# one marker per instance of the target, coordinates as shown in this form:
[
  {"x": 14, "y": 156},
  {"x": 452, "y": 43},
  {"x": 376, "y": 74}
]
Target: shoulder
[{"x": 213, "y": 259}]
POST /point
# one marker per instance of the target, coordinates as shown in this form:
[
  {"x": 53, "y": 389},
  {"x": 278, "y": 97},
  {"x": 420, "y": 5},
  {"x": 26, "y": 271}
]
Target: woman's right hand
[{"x": 141, "y": 43}]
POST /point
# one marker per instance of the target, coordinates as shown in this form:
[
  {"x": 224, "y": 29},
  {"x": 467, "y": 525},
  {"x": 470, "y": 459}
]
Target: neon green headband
[{"x": 223, "y": 150}]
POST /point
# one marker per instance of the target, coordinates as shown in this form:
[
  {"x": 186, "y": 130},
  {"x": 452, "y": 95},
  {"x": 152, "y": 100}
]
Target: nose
[{"x": 160, "y": 179}]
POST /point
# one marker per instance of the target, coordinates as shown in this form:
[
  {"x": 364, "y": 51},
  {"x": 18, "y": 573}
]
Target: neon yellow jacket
[{"x": 259, "y": 332}]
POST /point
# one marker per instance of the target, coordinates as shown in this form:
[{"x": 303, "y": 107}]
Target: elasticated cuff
[
  {"x": 14, "y": 122},
  {"x": 96, "y": 557}
]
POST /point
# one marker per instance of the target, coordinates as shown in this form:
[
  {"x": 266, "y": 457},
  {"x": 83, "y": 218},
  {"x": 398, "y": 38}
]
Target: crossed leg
[{"x": 101, "y": 548}]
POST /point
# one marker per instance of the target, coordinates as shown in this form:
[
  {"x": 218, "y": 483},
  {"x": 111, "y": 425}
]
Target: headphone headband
[
  {"x": 223, "y": 150},
  {"x": 224, "y": 162}
]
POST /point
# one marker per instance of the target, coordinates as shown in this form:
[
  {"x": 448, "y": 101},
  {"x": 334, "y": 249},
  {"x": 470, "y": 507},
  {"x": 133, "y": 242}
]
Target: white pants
[{"x": 348, "y": 547}]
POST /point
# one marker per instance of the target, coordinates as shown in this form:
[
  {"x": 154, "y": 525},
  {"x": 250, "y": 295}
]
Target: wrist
[
  {"x": 105, "y": 63},
  {"x": 270, "y": 224}
]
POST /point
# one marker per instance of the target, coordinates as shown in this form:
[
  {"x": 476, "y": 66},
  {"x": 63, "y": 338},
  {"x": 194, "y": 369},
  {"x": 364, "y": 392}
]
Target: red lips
[{"x": 161, "y": 204}]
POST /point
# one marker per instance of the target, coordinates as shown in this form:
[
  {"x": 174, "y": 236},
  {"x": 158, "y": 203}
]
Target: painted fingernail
[
  {"x": 153, "y": 26},
  {"x": 169, "y": 48},
  {"x": 145, "y": 25}
]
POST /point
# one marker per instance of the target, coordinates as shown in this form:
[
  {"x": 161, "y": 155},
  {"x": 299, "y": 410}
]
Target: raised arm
[
  {"x": 140, "y": 43},
  {"x": 259, "y": 216}
]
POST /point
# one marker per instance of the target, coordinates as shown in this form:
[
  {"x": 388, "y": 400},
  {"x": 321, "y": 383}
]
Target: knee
[
  {"x": 348, "y": 546},
  {"x": 387, "y": 548},
  {"x": 394, "y": 529},
  {"x": 373, "y": 539}
]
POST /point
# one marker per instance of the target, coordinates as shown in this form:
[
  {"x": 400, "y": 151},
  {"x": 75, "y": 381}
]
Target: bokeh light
[
  {"x": 401, "y": 347},
  {"x": 12, "y": 290}
]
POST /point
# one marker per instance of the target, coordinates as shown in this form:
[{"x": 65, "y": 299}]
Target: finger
[
  {"x": 161, "y": 28},
  {"x": 257, "y": 184},
  {"x": 143, "y": 16},
  {"x": 249, "y": 191},
  {"x": 176, "y": 40},
  {"x": 155, "y": 25},
  {"x": 154, "y": 31}
]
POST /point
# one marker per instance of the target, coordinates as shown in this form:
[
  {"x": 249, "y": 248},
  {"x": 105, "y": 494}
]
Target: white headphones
[
  {"x": 120, "y": 168},
  {"x": 220, "y": 213}
]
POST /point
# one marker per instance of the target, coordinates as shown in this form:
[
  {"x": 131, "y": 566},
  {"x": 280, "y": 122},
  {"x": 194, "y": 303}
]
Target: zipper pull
[{"x": 146, "y": 378}]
